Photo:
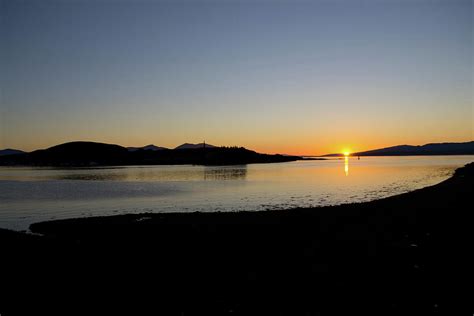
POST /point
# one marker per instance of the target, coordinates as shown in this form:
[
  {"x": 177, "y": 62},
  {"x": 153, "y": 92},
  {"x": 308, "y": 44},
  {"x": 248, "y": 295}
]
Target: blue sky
[{"x": 276, "y": 76}]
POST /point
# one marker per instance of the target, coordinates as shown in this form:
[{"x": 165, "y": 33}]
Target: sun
[{"x": 346, "y": 153}]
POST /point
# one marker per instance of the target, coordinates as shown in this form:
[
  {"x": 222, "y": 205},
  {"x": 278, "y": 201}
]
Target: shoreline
[
  {"x": 37, "y": 227},
  {"x": 398, "y": 255},
  {"x": 20, "y": 222}
]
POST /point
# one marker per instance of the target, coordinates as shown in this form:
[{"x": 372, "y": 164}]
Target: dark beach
[{"x": 402, "y": 255}]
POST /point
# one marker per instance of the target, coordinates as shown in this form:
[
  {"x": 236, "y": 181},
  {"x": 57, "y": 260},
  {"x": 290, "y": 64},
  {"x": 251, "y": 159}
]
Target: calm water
[{"x": 30, "y": 195}]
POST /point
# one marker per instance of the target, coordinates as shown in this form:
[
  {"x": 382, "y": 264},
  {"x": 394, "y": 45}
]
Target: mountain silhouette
[
  {"x": 194, "y": 146},
  {"x": 9, "y": 151},
  {"x": 147, "y": 147},
  {"x": 77, "y": 153},
  {"x": 98, "y": 154},
  {"x": 466, "y": 148}
]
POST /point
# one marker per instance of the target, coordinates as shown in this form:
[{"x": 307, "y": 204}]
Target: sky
[{"x": 295, "y": 77}]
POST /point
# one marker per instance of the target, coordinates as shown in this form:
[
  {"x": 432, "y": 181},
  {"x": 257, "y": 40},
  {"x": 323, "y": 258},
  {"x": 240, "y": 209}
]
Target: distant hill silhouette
[
  {"x": 466, "y": 148},
  {"x": 147, "y": 147},
  {"x": 9, "y": 151},
  {"x": 99, "y": 154},
  {"x": 194, "y": 146},
  {"x": 73, "y": 154}
]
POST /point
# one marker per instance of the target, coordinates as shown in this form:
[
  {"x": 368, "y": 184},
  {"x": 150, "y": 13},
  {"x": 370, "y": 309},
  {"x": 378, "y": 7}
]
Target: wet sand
[{"x": 402, "y": 255}]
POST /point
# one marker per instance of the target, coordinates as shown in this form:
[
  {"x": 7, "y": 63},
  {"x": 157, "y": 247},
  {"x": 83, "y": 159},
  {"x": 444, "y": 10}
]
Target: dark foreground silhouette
[{"x": 403, "y": 255}]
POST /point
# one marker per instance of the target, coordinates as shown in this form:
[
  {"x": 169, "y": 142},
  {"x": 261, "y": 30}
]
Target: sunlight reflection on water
[{"x": 346, "y": 165}]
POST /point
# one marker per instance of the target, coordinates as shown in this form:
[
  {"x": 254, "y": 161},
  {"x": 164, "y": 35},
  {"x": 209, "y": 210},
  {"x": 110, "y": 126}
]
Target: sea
[{"x": 34, "y": 194}]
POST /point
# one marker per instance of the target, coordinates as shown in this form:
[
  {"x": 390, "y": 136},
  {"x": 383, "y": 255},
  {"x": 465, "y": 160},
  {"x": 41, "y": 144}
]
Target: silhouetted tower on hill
[{"x": 204, "y": 152}]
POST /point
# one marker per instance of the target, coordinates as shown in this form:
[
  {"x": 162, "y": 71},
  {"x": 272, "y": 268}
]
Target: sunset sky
[{"x": 296, "y": 77}]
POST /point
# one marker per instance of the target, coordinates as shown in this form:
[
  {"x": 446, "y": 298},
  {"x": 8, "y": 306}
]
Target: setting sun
[{"x": 346, "y": 153}]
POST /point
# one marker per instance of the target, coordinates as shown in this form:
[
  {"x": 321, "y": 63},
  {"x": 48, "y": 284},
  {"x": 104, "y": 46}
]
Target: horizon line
[{"x": 207, "y": 143}]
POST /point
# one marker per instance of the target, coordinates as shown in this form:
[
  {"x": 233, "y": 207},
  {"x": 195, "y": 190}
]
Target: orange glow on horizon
[{"x": 304, "y": 146}]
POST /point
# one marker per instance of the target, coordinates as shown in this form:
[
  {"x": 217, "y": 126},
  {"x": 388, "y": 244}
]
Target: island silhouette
[
  {"x": 82, "y": 153},
  {"x": 465, "y": 148},
  {"x": 86, "y": 153}
]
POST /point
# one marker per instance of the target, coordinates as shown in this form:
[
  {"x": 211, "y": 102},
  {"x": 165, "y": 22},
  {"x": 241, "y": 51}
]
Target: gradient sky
[{"x": 298, "y": 77}]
